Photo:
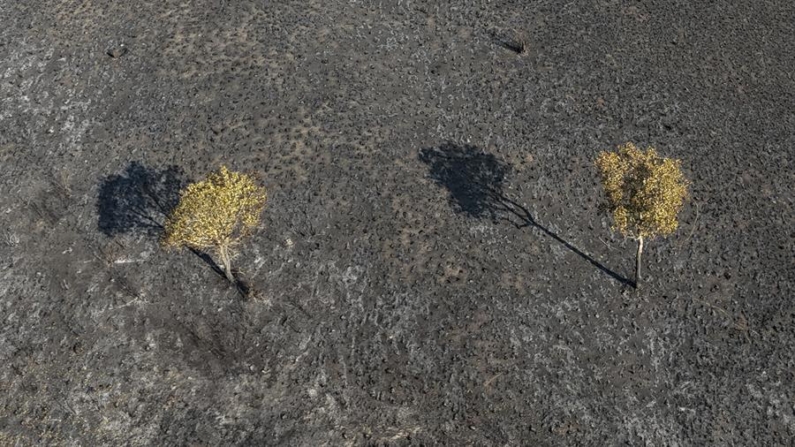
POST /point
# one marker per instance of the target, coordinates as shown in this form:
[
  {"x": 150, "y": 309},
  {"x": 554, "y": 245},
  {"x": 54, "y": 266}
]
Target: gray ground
[{"x": 432, "y": 267}]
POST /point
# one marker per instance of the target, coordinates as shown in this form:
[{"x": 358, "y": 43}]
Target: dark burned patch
[
  {"x": 48, "y": 208},
  {"x": 138, "y": 199},
  {"x": 52, "y": 204}
]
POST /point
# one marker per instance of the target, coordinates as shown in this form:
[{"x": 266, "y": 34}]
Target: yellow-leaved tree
[
  {"x": 215, "y": 214},
  {"x": 645, "y": 193}
]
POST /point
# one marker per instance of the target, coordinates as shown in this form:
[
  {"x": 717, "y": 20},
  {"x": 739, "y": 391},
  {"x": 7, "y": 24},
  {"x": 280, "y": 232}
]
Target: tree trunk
[
  {"x": 637, "y": 262},
  {"x": 224, "y": 252}
]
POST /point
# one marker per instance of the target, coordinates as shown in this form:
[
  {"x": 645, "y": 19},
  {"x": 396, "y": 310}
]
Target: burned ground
[{"x": 432, "y": 266}]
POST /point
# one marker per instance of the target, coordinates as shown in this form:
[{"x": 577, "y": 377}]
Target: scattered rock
[{"x": 117, "y": 52}]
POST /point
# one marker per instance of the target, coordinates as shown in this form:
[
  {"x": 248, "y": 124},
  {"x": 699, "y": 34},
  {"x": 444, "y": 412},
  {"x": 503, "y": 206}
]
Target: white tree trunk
[
  {"x": 223, "y": 251},
  {"x": 637, "y": 262}
]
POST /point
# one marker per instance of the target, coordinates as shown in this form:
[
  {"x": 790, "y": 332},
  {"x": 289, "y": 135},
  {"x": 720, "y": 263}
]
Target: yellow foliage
[
  {"x": 215, "y": 212},
  {"x": 645, "y": 192}
]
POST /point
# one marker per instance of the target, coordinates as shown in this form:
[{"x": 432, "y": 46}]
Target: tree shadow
[
  {"x": 474, "y": 180},
  {"x": 138, "y": 200}
]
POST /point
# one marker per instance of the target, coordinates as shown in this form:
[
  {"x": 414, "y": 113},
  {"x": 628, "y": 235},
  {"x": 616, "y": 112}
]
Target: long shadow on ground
[
  {"x": 474, "y": 180},
  {"x": 138, "y": 201}
]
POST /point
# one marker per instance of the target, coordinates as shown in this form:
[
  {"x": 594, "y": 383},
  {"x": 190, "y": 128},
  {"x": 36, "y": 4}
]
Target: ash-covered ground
[{"x": 432, "y": 267}]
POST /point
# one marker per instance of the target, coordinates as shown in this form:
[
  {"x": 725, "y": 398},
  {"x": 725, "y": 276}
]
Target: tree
[
  {"x": 216, "y": 213},
  {"x": 645, "y": 193}
]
